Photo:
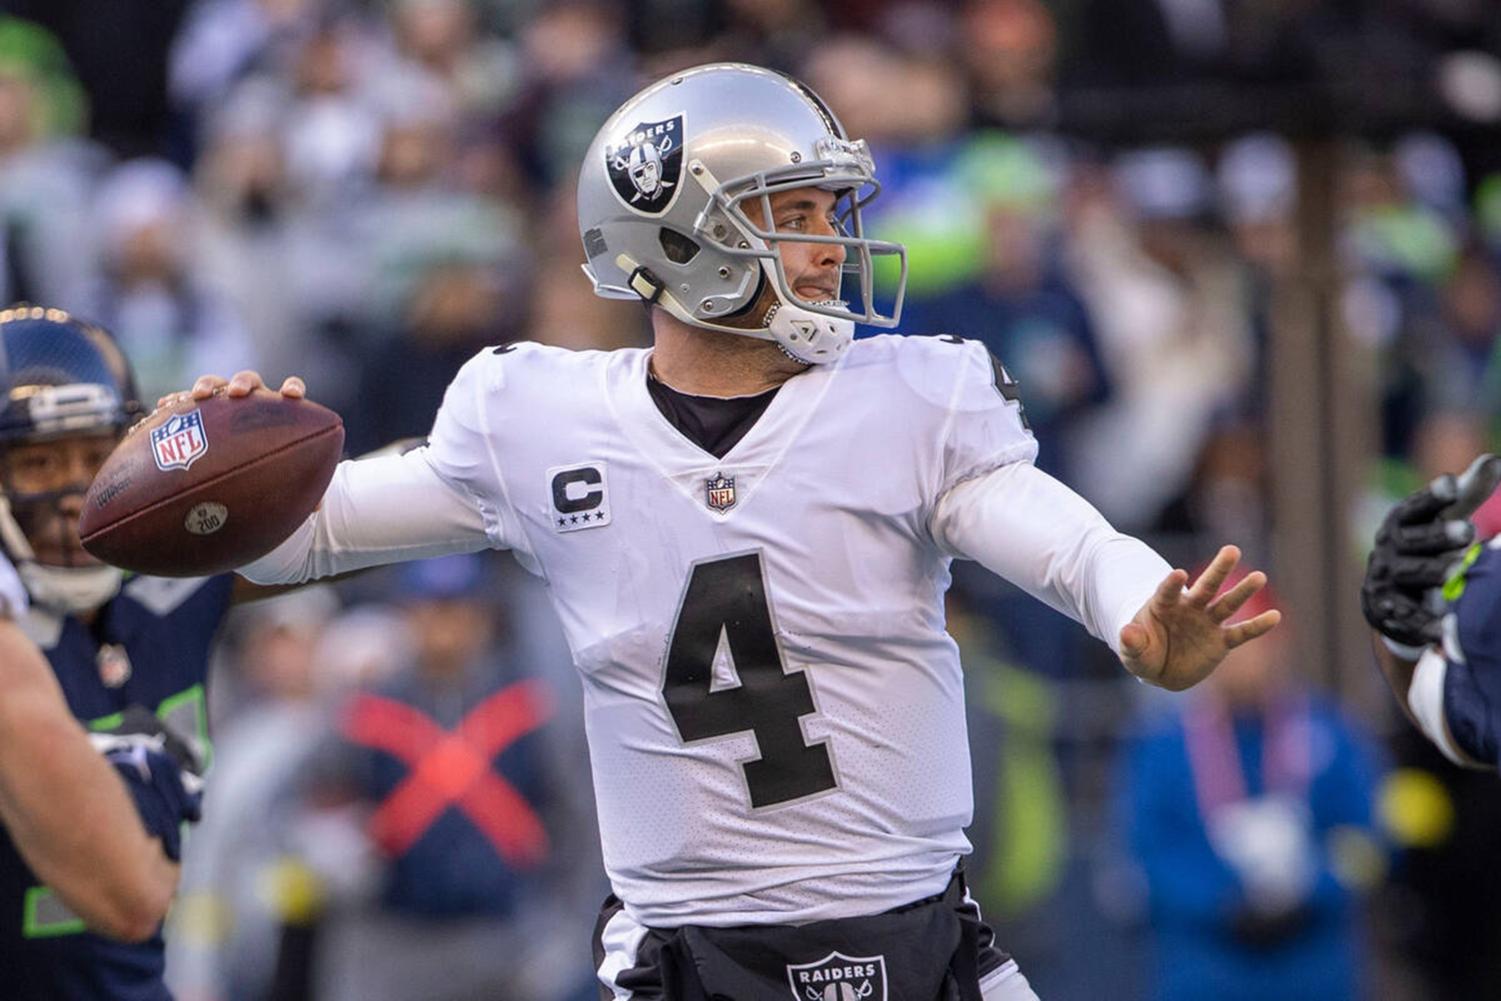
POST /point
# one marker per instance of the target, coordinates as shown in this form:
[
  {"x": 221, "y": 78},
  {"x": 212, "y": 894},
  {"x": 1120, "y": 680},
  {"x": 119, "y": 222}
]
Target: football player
[
  {"x": 62, "y": 805},
  {"x": 1434, "y": 600},
  {"x": 81, "y": 904},
  {"x": 747, "y": 532}
]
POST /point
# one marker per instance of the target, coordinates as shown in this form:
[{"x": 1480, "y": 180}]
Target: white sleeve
[
  {"x": 1425, "y": 698},
  {"x": 379, "y": 510},
  {"x": 1022, "y": 524},
  {"x": 985, "y": 426}
]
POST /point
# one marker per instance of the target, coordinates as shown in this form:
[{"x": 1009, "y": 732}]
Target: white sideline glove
[{"x": 1267, "y": 842}]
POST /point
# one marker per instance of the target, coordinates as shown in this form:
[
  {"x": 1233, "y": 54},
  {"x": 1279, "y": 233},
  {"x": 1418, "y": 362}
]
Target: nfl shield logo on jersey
[
  {"x": 838, "y": 977},
  {"x": 114, "y": 665},
  {"x": 720, "y": 492},
  {"x": 179, "y": 442}
]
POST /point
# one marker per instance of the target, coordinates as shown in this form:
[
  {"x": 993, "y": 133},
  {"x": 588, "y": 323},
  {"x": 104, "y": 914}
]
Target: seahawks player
[
  {"x": 61, "y": 803},
  {"x": 129, "y": 658},
  {"x": 1434, "y": 601},
  {"x": 747, "y": 532}
]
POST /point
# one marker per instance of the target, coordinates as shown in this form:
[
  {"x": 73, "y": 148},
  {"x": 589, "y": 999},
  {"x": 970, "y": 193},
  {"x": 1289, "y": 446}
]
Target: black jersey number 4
[{"x": 727, "y": 598}]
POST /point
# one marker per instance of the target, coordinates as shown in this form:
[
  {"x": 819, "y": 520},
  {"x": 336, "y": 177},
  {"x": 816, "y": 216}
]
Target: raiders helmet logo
[{"x": 646, "y": 164}]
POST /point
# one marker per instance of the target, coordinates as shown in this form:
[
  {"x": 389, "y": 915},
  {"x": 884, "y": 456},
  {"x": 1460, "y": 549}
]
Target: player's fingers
[
  {"x": 245, "y": 382},
  {"x": 1133, "y": 640},
  {"x": 1207, "y": 586},
  {"x": 1170, "y": 591},
  {"x": 1229, "y": 603},
  {"x": 293, "y": 387},
  {"x": 1433, "y": 538},
  {"x": 202, "y": 389},
  {"x": 1244, "y": 632},
  {"x": 1403, "y": 615},
  {"x": 1475, "y": 485},
  {"x": 1419, "y": 572},
  {"x": 1426, "y": 503}
]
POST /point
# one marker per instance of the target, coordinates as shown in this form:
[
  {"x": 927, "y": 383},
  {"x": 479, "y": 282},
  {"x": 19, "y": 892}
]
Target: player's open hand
[
  {"x": 243, "y": 383},
  {"x": 1180, "y": 635}
]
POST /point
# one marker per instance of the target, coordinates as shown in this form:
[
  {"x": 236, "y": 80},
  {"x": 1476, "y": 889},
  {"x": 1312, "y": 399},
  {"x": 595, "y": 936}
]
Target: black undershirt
[{"x": 713, "y": 423}]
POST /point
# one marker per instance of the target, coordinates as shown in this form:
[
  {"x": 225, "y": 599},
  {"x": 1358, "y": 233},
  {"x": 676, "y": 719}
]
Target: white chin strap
[
  {"x": 70, "y": 589},
  {"x": 807, "y": 336},
  {"x": 60, "y": 589}
]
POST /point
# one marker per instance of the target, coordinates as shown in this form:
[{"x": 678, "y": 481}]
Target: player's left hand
[
  {"x": 139, "y": 730},
  {"x": 1180, "y": 636}
]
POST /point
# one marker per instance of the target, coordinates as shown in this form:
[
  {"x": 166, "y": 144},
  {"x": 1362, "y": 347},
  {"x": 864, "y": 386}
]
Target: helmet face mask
[
  {"x": 44, "y": 483},
  {"x": 847, "y": 169},
  {"x": 69, "y": 397},
  {"x": 663, "y": 198}
]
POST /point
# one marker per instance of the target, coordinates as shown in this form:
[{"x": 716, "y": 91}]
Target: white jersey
[{"x": 775, "y": 712}]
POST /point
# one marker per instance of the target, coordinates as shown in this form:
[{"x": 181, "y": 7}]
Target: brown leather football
[{"x": 203, "y": 487}]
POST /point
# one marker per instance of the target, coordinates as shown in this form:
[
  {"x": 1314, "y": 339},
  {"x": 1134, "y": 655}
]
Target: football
[{"x": 201, "y": 487}]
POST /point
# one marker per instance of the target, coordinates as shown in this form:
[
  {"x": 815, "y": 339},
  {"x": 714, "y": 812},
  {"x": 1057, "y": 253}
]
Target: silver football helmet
[{"x": 661, "y": 201}]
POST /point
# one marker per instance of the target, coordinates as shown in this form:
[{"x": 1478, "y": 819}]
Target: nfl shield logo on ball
[
  {"x": 838, "y": 977},
  {"x": 179, "y": 442},
  {"x": 720, "y": 492}
]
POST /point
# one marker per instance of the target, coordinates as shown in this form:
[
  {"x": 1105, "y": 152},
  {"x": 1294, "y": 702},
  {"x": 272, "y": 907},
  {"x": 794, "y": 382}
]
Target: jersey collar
[{"x": 682, "y": 461}]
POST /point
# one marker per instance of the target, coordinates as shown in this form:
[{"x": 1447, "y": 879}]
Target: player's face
[
  {"x": 813, "y": 269},
  {"x": 46, "y": 482}
]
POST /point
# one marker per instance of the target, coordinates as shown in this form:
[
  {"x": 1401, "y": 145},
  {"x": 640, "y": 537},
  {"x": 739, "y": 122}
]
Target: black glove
[
  {"x": 1417, "y": 548},
  {"x": 162, "y": 770}
]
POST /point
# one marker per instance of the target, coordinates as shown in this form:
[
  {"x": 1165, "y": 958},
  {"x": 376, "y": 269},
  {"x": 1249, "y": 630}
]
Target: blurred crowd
[{"x": 365, "y": 193}]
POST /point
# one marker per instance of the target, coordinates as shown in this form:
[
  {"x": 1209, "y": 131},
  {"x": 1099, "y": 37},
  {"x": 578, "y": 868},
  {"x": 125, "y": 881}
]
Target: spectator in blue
[
  {"x": 452, "y": 772},
  {"x": 1249, "y": 814}
]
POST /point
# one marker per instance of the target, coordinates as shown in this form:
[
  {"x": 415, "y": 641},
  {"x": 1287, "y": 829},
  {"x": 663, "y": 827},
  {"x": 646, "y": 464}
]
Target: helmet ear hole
[{"x": 678, "y": 248}]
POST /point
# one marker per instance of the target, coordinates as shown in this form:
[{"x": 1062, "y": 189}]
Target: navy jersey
[
  {"x": 148, "y": 646},
  {"x": 1472, "y": 646}
]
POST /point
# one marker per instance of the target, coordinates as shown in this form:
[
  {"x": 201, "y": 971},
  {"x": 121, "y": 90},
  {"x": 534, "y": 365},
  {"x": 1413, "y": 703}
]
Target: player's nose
[{"x": 830, "y": 255}]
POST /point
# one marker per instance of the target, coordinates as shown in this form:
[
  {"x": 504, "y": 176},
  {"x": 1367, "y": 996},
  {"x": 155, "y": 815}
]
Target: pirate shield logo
[
  {"x": 838, "y": 977},
  {"x": 646, "y": 164}
]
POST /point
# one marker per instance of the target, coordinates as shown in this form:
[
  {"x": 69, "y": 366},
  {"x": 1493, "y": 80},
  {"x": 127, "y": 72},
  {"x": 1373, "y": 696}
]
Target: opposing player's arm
[
  {"x": 1398, "y": 672},
  {"x": 67, "y": 810},
  {"x": 1431, "y": 700},
  {"x": 1421, "y": 551}
]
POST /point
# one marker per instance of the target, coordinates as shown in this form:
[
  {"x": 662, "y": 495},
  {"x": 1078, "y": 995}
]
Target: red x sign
[{"x": 453, "y": 768}]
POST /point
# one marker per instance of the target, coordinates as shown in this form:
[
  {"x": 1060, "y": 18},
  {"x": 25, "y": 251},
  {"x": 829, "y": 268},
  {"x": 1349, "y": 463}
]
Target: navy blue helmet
[
  {"x": 61, "y": 376},
  {"x": 62, "y": 380}
]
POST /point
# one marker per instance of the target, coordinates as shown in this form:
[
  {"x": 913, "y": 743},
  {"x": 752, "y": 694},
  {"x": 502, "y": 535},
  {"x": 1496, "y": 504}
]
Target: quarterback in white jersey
[{"x": 747, "y": 532}]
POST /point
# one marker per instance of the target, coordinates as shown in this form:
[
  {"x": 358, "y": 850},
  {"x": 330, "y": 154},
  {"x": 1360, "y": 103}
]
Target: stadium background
[{"x": 1242, "y": 256}]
